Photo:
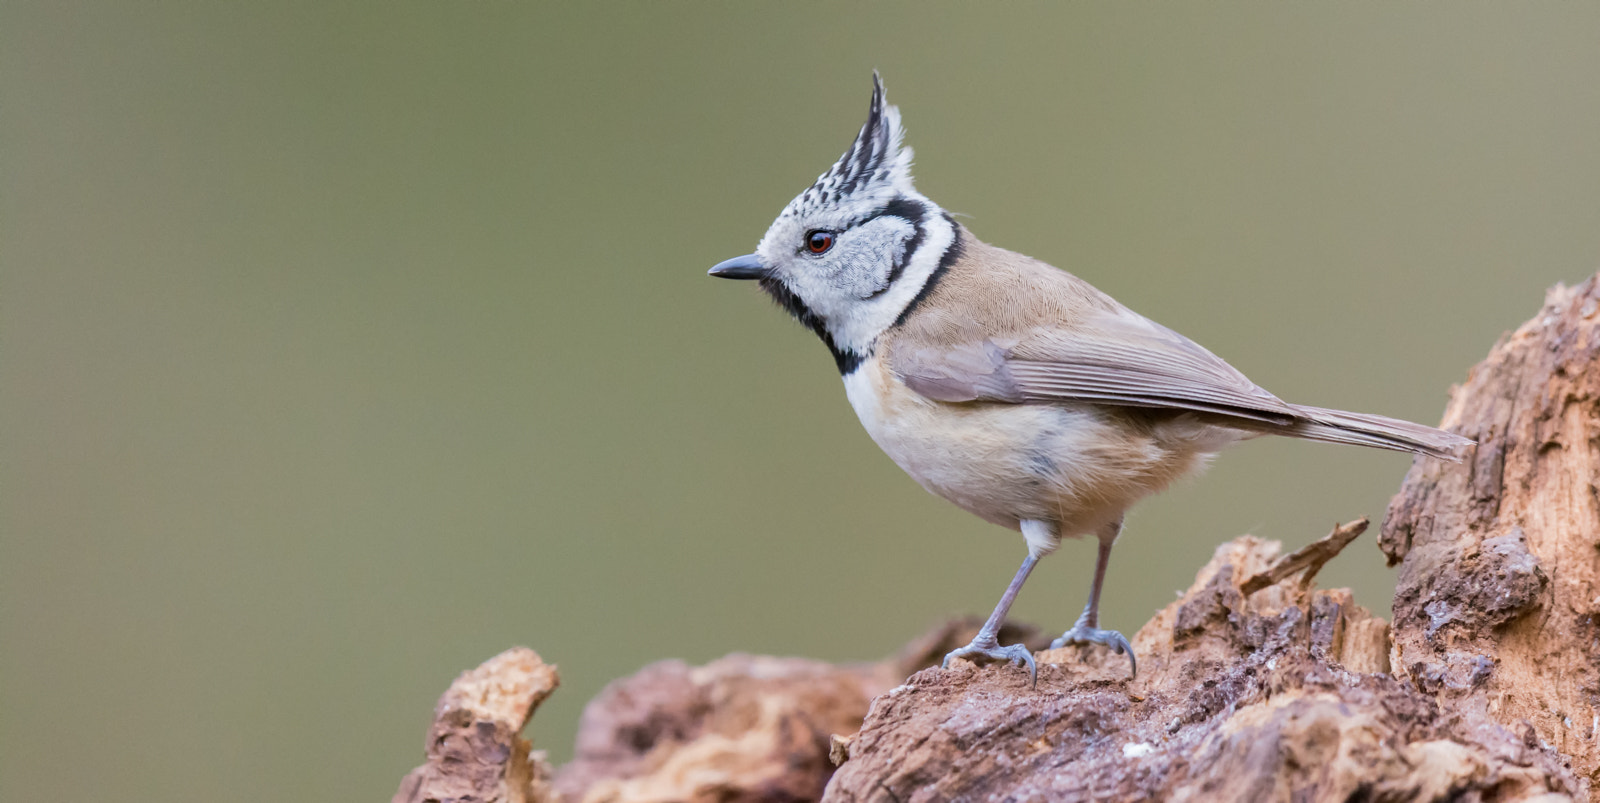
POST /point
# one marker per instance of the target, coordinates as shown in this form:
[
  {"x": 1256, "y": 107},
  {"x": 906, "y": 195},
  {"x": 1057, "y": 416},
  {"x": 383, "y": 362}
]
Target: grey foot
[
  {"x": 1080, "y": 634},
  {"x": 1015, "y": 653}
]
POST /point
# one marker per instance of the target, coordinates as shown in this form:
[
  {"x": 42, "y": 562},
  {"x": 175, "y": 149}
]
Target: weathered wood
[
  {"x": 1275, "y": 696},
  {"x": 741, "y": 729},
  {"x": 1309, "y": 559},
  {"x": 1253, "y": 685},
  {"x": 473, "y": 750},
  {"x": 1499, "y": 585}
]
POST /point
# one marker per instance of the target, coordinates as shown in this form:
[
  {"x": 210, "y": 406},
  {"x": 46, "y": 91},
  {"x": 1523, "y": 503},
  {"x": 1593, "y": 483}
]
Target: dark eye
[{"x": 819, "y": 241}]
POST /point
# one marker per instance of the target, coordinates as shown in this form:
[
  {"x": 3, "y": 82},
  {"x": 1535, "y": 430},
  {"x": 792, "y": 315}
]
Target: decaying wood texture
[
  {"x": 1307, "y": 560},
  {"x": 740, "y": 728},
  {"x": 1253, "y": 685},
  {"x": 1279, "y": 695},
  {"x": 474, "y": 750},
  {"x": 1499, "y": 583}
]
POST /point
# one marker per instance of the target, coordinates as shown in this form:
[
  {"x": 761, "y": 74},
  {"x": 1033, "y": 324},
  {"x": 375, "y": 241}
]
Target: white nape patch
[
  {"x": 1042, "y": 537},
  {"x": 1138, "y": 750}
]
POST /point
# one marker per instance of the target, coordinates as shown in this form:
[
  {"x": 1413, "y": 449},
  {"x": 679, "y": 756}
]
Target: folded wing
[{"x": 1118, "y": 357}]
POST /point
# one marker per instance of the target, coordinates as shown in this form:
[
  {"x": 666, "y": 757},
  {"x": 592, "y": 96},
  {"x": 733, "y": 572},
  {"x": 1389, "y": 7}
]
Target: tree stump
[
  {"x": 1499, "y": 588},
  {"x": 1254, "y": 685}
]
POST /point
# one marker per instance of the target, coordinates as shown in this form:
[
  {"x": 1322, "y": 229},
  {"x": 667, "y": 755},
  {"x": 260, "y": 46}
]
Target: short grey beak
[{"x": 745, "y": 267}]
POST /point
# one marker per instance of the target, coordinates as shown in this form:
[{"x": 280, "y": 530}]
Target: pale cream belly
[{"x": 1076, "y": 466}]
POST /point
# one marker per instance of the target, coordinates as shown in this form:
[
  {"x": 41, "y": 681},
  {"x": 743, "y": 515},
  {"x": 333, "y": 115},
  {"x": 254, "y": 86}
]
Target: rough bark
[
  {"x": 743, "y": 728},
  {"x": 1280, "y": 695},
  {"x": 1499, "y": 586},
  {"x": 1253, "y": 685},
  {"x": 473, "y": 750}
]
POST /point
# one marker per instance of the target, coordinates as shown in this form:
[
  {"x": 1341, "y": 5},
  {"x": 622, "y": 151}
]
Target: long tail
[{"x": 1362, "y": 429}]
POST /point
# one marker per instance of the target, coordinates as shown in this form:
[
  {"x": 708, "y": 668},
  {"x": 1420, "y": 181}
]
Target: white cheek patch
[
  {"x": 867, "y": 255},
  {"x": 857, "y": 323},
  {"x": 849, "y": 289}
]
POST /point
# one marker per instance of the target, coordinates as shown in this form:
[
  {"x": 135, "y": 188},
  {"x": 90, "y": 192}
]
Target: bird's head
[{"x": 850, "y": 255}]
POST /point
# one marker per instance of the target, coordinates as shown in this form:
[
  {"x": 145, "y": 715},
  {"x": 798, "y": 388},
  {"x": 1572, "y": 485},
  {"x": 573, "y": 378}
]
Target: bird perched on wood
[{"x": 1007, "y": 386}]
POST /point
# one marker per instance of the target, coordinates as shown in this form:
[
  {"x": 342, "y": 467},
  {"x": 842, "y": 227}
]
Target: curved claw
[
  {"x": 1107, "y": 638},
  {"x": 1015, "y": 653}
]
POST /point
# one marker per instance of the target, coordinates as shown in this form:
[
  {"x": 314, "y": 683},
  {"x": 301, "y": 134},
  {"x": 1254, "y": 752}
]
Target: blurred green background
[{"x": 345, "y": 346}]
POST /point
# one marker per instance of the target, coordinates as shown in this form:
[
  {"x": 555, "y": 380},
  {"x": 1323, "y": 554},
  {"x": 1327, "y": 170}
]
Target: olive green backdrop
[{"x": 345, "y": 346}]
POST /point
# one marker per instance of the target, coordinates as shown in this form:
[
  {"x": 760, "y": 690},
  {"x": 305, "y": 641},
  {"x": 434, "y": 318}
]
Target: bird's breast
[
  {"x": 1076, "y": 465},
  {"x": 999, "y": 462}
]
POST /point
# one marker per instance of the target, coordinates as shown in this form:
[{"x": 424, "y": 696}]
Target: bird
[{"x": 1012, "y": 388}]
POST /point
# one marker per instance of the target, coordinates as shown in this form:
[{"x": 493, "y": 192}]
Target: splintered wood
[{"x": 1309, "y": 558}]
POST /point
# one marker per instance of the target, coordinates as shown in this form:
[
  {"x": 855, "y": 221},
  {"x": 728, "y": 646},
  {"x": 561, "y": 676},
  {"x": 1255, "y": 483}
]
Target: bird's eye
[{"x": 818, "y": 242}]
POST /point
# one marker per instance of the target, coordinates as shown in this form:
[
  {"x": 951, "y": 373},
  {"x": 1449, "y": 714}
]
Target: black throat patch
[{"x": 847, "y": 360}]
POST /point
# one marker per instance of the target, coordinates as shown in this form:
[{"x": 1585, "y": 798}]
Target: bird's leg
[
  {"x": 1086, "y": 630},
  {"x": 987, "y": 645}
]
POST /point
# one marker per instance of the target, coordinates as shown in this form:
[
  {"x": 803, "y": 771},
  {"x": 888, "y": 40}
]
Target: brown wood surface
[
  {"x": 1499, "y": 587},
  {"x": 1253, "y": 685}
]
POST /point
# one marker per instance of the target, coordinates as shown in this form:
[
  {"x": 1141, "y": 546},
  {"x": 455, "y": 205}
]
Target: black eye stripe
[
  {"x": 912, "y": 212},
  {"x": 820, "y": 241},
  {"x": 904, "y": 208}
]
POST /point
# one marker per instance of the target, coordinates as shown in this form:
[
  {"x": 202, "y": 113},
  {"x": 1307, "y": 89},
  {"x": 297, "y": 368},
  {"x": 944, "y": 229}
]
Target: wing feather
[
  {"x": 1001, "y": 327},
  {"x": 1113, "y": 357}
]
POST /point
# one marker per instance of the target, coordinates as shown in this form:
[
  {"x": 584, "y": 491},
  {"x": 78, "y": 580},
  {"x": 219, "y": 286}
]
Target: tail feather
[{"x": 1362, "y": 429}]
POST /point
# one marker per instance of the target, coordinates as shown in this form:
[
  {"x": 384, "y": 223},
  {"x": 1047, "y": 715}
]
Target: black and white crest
[{"x": 875, "y": 168}]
